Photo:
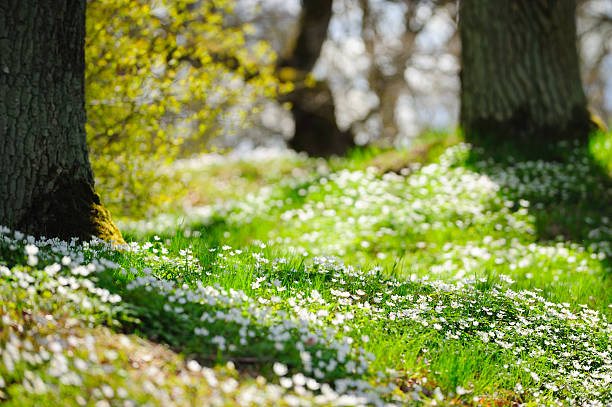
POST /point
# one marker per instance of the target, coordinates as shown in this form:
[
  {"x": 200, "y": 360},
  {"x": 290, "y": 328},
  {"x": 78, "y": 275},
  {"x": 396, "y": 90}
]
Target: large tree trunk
[
  {"x": 520, "y": 79},
  {"x": 313, "y": 109},
  {"x": 46, "y": 181}
]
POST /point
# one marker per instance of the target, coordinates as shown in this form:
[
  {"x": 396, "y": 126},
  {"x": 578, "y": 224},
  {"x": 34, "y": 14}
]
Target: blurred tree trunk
[
  {"x": 312, "y": 105},
  {"x": 46, "y": 181},
  {"x": 520, "y": 77},
  {"x": 388, "y": 86}
]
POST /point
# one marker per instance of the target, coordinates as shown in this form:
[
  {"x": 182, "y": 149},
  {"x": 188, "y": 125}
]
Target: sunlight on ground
[{"x": 456, "y": 281}]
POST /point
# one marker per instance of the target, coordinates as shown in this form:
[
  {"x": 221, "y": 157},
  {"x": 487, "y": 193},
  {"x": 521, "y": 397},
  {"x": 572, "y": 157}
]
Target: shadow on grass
[{"x": 569, "y": 189}]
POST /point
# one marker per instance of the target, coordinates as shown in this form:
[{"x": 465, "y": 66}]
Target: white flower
[
  {"x": 219, "y": 340},
  {"x": 200, "y": 331},
  {"x": 299, "y": 379},
  {"x": 286, "y": 382},
  {"x": 32, "y": 261},
  {"x": 108, "y": 391},
  {"x": 193, "y": 366},
  {"x": 280, "y": 369}
]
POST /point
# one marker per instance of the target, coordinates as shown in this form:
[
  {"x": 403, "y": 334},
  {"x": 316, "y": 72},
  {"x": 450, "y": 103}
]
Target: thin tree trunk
[
  {"x": 520, "y": 79},
  {"x": 46, "y": 181},
  {"x": 313, "y": 109},
  {"x": 387, "y": 87}
]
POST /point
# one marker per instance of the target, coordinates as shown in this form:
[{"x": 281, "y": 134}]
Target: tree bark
[
  {"x": 520, "y": 77},
  {"x": 46, "y": 181},
  {"x": 312, "y": 107}
]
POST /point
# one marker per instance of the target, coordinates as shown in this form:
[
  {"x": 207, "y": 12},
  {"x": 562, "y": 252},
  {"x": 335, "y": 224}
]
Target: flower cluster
[{"x": 459, "y": 296}]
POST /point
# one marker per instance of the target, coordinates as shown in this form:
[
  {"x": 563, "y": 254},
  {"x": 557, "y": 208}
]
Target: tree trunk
[
  {"x": 312, "y": 107},
  {"x": 388, "y": 86},
  {"x": 316, "y": 132},
  {"x": 520, "y": 79},
  {"x": 46, "y": 181}
]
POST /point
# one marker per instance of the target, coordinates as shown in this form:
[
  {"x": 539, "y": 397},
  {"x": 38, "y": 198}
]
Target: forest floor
[{"x": 431, "y": 276}]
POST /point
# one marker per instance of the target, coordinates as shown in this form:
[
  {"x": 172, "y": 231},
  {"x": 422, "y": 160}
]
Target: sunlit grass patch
[
  {"x": 600, "y": 147},
  {"x": 445, "y": 220},
  {"x": 324, "y": 323},
  {"x": 461, "y": 280}
]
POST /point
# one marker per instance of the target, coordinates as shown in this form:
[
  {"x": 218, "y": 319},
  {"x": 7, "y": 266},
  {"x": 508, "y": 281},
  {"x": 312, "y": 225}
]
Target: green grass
[{"x": 408, "y": 277}]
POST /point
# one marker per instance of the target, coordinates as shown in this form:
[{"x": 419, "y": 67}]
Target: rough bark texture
[
  {"x": 316, "y": 131},
  {"x": 46, "y": 181},
  {"x": 520, "y": 79}
]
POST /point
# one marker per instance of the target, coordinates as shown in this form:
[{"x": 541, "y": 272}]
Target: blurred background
[
  {"x": 168, "y": 80},
  {"x": 393, "y": 65}
]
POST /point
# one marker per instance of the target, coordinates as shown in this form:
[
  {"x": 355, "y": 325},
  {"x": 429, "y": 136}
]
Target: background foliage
[{"x": 160, "y": 75}]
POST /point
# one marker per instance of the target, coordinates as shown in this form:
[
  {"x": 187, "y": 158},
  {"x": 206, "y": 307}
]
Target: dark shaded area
[
  {"x": 71, "y": 209},
  {"x": 316, "y": 131},
  {"x": 579, "y": 205},
  {"x": 522, "y": 135}
]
